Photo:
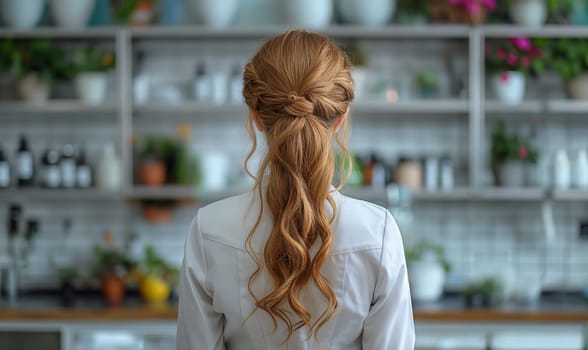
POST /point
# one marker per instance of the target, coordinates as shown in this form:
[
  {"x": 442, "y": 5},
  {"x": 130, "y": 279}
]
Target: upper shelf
[
  {"x": 69, "y": 107},
  {"x": 534, "y": 107},
  {"x": 61, "y": 33},
  {"x": 501, "y": 31}
]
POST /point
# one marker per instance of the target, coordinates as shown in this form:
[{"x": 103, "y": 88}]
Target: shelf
[
  {"x": 182, "y": 192},
  {"x": 60, "y": 33},
  {"x": 501, "y": 31},
  {"x": 571, "y": 195},
  {"x": 18, "y": 194},
  {"x": 536, "y": 107},
  {"x": 509, "y": 194},
  {"x": 162, "y": 109},
  {"x": 380, "y": 194},
  {"x": 55, "y": 107}
]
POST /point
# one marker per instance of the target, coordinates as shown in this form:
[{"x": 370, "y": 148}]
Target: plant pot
[
  {"x": 157, "y": 215},
  {"x": 371, "y": 13},
  {"x": 314, "y": 14},
  {"x": 427, "y": 279},
  {"x": 479, "y": 300},
  {"x": 511, "y": 174},
  {"x": 215, "y": 13},
  {"x": 443, "y": 11},
  {"x": 33, "y": 90},
  {"x": 113, "y": 290},
  {"x": 509, "y": 87},
  {"x": 91, "y": 87},
  {"x": 154, "y": 290},
  {"x": 531, "y": 13},
  {"x": 67, "y": 294},
  {"x": 72, "y": 13},
  {"x": 152, "y": 173},
  {"x": 577, "y": 88},
  {"x": 21, "y": 14}
]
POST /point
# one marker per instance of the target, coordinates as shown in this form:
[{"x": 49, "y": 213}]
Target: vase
[
  {"x": 512, "y": 174},
  {"x": 72, "y": 13},
  {"x": 577, "y": 88},
  {"x": 170, "y": 12},
  {"x": 113, "y": 290},
  {"x": 152, "y": 173},
  {"x": 509, "y": 87},
  {"x": 91, "y": 87},
  {"x": 314, "y": 14},
  {"x": 33, "y": 89},
  {"x": 426, "y": 279},
  {"x": 21, "y": 14},
  {"x": 371, "y": 13},
  {"x": 158, "y": 215},
  {"x": 530, "y": 13},
  {"x": 215, "y": 13},
  {"x": 102, "y": 14}
]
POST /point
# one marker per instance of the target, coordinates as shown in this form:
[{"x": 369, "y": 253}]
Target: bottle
[
  {"x": 409, "y": 173},
  {"x": 202, "y": 85},
  {"x": 108, "y": 173},
  {"x": 432, "y": 173},
  {"x": 51, "y": 171},
  {"x": 447, "y": 174},
  {"x": 25, "y": 167},
  {"x": 561, "y": 170},
  {"x": 4, "y": 170},
  {"x": 236, "y": 93},
  {"x": 84, "y": 173},
  {"x": 68, "y": 167},
  {"x": 581, "y": 169},
  {"x": 220, "y": 86}
]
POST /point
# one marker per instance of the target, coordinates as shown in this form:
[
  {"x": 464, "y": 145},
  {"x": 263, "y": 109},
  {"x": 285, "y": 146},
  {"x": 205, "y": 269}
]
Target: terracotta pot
[
  {"x": 577, "y": 88},
  {"x": 113, "y": 290},
  {"x": 443, "y": 11},
  {"x": 152, "y": 173},
  {"x": 157, "y": 215}
]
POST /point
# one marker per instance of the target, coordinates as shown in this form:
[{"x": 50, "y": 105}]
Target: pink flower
[
  {"x": 490, "y": 4},
  {"x": 504, "y": 77},
  {"x": 512, "y": 59},
  {"x": 525, "y": 62},
  {"x": 501, "y": 53},
  {"x": 535, "y": 52},
  {"x": 523, "y": 152},
  {"x": 523, "y": 44}
]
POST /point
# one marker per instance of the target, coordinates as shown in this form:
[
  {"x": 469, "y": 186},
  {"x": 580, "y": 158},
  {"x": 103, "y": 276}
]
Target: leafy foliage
[
  {"x": 507, "y": 147},
  {"x": 411, "y": 7},
  {"x": 41, "y": 57},
  {"x": 425, "y": 248},
  {"x": 154, "y": 265},
  {"x": 109, "y": 261},
  {"x": 488, "y": 287},
  {"x": 515, "y": 54},
  {"x": 92, "y": 59},
  {"x": 570, "y": 57}
]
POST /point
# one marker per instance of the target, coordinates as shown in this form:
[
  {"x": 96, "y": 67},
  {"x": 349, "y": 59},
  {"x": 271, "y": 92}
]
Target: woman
[{"x": 294, "y": 264}]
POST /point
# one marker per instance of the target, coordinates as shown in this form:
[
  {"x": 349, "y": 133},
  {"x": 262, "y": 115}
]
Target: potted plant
[
  {"x": 531, "y": 13},
  {"x": 359, "y": 71},
  {"x": 508, "y": 61},
  {"x": 21, "y": 14},
  {"x": 214, "y": 13},
  {"x": 461, "y": 11},
  {"x": 72, "y": 13},
  {"x": 158, "y": 211},
  {"x": 158, "y": 277},
  {"x": 427, "y": 83},
  {"x": 371, "y": 13},
  {"x": 412, "y": 12},
  {"x": 36, "y": 64},
  {"x": 510, "y": 157},
  {"x": 315, "y": 14},
  {"x": 67, "y": 290},
  {"x": 570, "y": 60},
  {"x": 427, "y": 269},
  {"x": 156, "y": 160},
  {"x": 91, "y": 65},
  {"x": 483, "y": 293},
  {"x": 110, "y": 267}
]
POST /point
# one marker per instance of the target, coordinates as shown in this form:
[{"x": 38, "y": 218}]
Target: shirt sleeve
[
  {"x": 390, "y": 324},
  {"x": 199, "y": 325}
]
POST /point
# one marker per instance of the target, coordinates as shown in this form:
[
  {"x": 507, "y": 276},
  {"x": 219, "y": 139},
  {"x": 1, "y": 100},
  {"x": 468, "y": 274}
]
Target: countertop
[{"x": 572, "y": 309}]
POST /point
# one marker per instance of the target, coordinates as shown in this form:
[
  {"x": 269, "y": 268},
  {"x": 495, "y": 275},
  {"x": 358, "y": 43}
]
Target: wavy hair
[{"x": 297, "y": 86}]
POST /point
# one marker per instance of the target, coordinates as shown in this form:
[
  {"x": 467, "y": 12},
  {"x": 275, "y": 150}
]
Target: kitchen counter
[{"x": 566, "y": 309}]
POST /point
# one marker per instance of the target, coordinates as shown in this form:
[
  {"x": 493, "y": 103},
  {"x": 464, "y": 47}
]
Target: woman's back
[{"x": 365, "y": 268}]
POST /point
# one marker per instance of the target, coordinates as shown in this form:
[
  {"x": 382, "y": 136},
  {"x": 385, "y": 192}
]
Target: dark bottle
[
  {"x": 25, "y": 167},
  {"x": 68, "y": 166},
  {"x": 51, "y": 170},
  {"x": 84, "y": 173},
  {"x": 4, "y": 170}
]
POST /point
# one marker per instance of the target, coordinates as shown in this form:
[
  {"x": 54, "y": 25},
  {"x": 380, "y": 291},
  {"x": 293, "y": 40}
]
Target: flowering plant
[
  {"x": 474, "y": 7},
  {"x": 507, "y": 147},
  {"x": 514, "y": 54}
]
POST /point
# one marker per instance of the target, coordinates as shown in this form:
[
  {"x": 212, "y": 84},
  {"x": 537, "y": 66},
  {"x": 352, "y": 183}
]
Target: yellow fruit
[{"x": 154, "y": 290}]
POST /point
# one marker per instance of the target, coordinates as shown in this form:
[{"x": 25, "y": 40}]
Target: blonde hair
[{"x": 297, "y": 85}]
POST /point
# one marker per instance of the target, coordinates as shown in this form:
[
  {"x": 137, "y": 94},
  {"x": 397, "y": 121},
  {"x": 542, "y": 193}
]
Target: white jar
[
  {"x": 531, "y": 13},
  {"x": 580, "y": 177},
  {"x": 109, "y": 170},
  {"x": 220, "y": 87},
  {"x": 432, "y": 173},
  {"x": 72, "y": 13},
  {"x": 21, "y": 14},
  {"x": 561, "y": 170},
  {"x": 509, "y": 87},
  {"x": 314, "y": 14},
  {"x": 426, "y": 279},
  {"x": 447, "y": 174},
  {"x": 91, "y": 87}
]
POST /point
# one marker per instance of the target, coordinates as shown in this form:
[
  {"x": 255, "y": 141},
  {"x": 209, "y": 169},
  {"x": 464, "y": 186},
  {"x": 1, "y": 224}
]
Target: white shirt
[{"x": 366, "y": 269}]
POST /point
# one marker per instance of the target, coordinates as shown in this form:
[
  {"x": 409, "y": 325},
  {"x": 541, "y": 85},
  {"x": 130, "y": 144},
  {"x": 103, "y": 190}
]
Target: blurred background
[{"x": 118, "y": 119}]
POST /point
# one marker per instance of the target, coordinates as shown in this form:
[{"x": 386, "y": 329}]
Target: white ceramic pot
[
  {"x": 33, "y": 90},
  {"x": 531, "y": 13},
  {"x": 314, "y": 14},
  {"x": 108, "y": 172},
  {"x": 426, "y": 279},
  {"x": 578, "y": 87},
  {"x": 91, "y": 87},
  {"x": 372, "y": 13},
  {"x": 21, "y": 14},
  {"x": 214, "y": 170},
  {"x": 513, "y": 174},
  {"x": 509, "y": 87},
  {"x": 215, "y": 13},
  {"x": 72, "y": 13}
]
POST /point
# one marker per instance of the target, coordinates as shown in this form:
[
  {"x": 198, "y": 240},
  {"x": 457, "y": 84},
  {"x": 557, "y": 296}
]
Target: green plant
[
  {"x": 40, "y": 57},
  {"x": 570, "y": 57},
  {"x": 413, "y": 8},
  {"x": 559, "y": 10},
  {"x": 427, "y": 79},
  {"x": 515, "y": 54},
  {"x": 109, "y": 261},
  {"x": 123, "y": 10},
  {"x": 92, "y": 59},
  {"x": 489, "y": 287},
  {"x": 424, "y": 249},
  {"x": 506, "y": 147},
  {"x": 154, "y": 265},
  {"x": 158, "y": 147},
  {"x": 6, "y": 54},
  {"x": 356, "y": 56},
  {"x": 68, "y": 274}
]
